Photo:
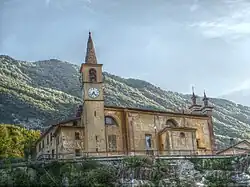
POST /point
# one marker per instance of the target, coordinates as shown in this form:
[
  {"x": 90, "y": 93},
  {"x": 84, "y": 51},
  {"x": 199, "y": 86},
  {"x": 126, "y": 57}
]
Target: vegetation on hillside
[
  {"x": 15, "y": 141},
  {"x": 38, "y": 94},
  {"x": 131, "y": 171}
]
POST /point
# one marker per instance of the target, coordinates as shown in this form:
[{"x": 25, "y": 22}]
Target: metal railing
[{"x": 151, "y": 153}]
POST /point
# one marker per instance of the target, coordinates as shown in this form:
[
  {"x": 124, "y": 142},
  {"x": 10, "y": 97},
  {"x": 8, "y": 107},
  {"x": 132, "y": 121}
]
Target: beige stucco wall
[
  {"x": 138, "y": 126},
  {"x": 182, "y": 146},
  {"x": 47, "y": 147},
  {"x": 171, "y": 142},
  {"x": 94, "y": 126},
  {"x": 143, "y": 123},
  {"x": 130, "y": 133},
  {"x": 68, "y": 143},
  {"x": 63, "y": 143},
  {"x": 117, "y": 130}
]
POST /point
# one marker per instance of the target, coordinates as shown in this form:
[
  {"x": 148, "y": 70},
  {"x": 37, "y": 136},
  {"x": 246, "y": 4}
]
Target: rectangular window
[
  {"x": 97, "y": 143},
  {"x": 47, "y": 139},
  {"x": 51, "y": 136},
  {"x": 40, "y": 146},
  {"x": 112, "y": 145},
  {"x": 57, "y": 140},
  {"x": 108, "y": 120},
  {"x": 77, "y": 152},
  {"x": 74, "y": 123},
  {"x": 148, "y": 141},
  {"x": 43, "y": 144},
  {"x": 77, "y": 136},
  {"x": 53, "y": 153}
]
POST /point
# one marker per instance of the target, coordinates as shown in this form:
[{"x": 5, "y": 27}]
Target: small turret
[
  {"x": 194, "y": 108},
  {"x": 206, "y": 109},
  {"x": 205, "y": 99}
]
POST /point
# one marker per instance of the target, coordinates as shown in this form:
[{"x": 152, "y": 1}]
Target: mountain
[
  {"x": 241, "y": 96},
  {"x": 36, "y": 94}
]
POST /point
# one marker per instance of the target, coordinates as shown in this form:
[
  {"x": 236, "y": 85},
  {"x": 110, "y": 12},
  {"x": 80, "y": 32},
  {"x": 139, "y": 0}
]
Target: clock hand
[{"x": 94, "y": 94}]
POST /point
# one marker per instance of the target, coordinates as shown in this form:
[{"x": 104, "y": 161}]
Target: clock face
[{"x": 93, "y": 92}]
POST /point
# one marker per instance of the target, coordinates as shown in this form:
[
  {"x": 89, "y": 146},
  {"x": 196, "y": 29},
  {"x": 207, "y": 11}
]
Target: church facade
[{"x": 99, "y": 130}]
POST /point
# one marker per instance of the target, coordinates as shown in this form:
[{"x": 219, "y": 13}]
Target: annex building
[{"x": 99, "y": 130}]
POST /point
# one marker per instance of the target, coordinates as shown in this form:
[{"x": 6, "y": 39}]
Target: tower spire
[
  {"x": 205, "y": 99},
  {"x": 90, "y": 54},
  {"x": 194, "y": 108},
  {"x": 193, "y": 96}
]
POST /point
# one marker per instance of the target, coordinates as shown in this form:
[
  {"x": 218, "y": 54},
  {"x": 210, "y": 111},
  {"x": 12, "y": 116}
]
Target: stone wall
[{"x": 135, "y": 171}]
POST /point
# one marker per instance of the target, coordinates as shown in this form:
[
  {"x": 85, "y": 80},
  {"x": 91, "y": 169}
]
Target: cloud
[
  {"x": 194, "y": 6},
  {"x": 245, "y": 85},
  {"x": 223, "y": 29},
  {"x": 139, "y": 39},
  {"x": 236, "y": 21},
  {"x": 62, "y": 3}
]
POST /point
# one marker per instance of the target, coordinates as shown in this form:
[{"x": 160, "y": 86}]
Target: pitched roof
[
  {"x": 156, "y": 111},
  {"x": 54, "y": 126},
  {"x": 235, "y": 145}
]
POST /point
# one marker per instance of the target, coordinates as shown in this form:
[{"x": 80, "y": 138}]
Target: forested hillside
[{"x": 36, "y": 94}]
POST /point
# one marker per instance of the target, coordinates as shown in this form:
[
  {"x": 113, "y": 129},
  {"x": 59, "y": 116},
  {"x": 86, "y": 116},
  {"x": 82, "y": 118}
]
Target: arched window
[
  {"x": 171, "y": 123},
  {"x": 92, "y": 75},
  {"x": 182, "y": 135},
  {"x": 110, "y": 121}
]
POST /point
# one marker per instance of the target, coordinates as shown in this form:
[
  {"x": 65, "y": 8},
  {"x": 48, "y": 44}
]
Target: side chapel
[{"x": 99, "y": 130}]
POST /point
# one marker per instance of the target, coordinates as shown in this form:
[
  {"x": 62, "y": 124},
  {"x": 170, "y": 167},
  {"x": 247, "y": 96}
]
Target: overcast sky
[{"x": 171, "y": 43}]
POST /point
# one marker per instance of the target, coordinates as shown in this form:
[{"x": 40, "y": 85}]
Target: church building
[{"x": 100, "y": 130}]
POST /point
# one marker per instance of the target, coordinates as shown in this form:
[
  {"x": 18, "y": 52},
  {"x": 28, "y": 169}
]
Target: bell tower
[{"x": 92, "y": 117}]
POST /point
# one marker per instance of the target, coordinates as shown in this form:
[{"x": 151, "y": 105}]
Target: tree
[{"x": 16, "y": 140}]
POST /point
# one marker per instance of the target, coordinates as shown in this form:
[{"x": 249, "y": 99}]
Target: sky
[{"x": 174, "y": 44}]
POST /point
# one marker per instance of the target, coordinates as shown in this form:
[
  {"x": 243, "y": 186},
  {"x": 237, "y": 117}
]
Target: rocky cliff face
[{"x": 35, "y": 94}]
